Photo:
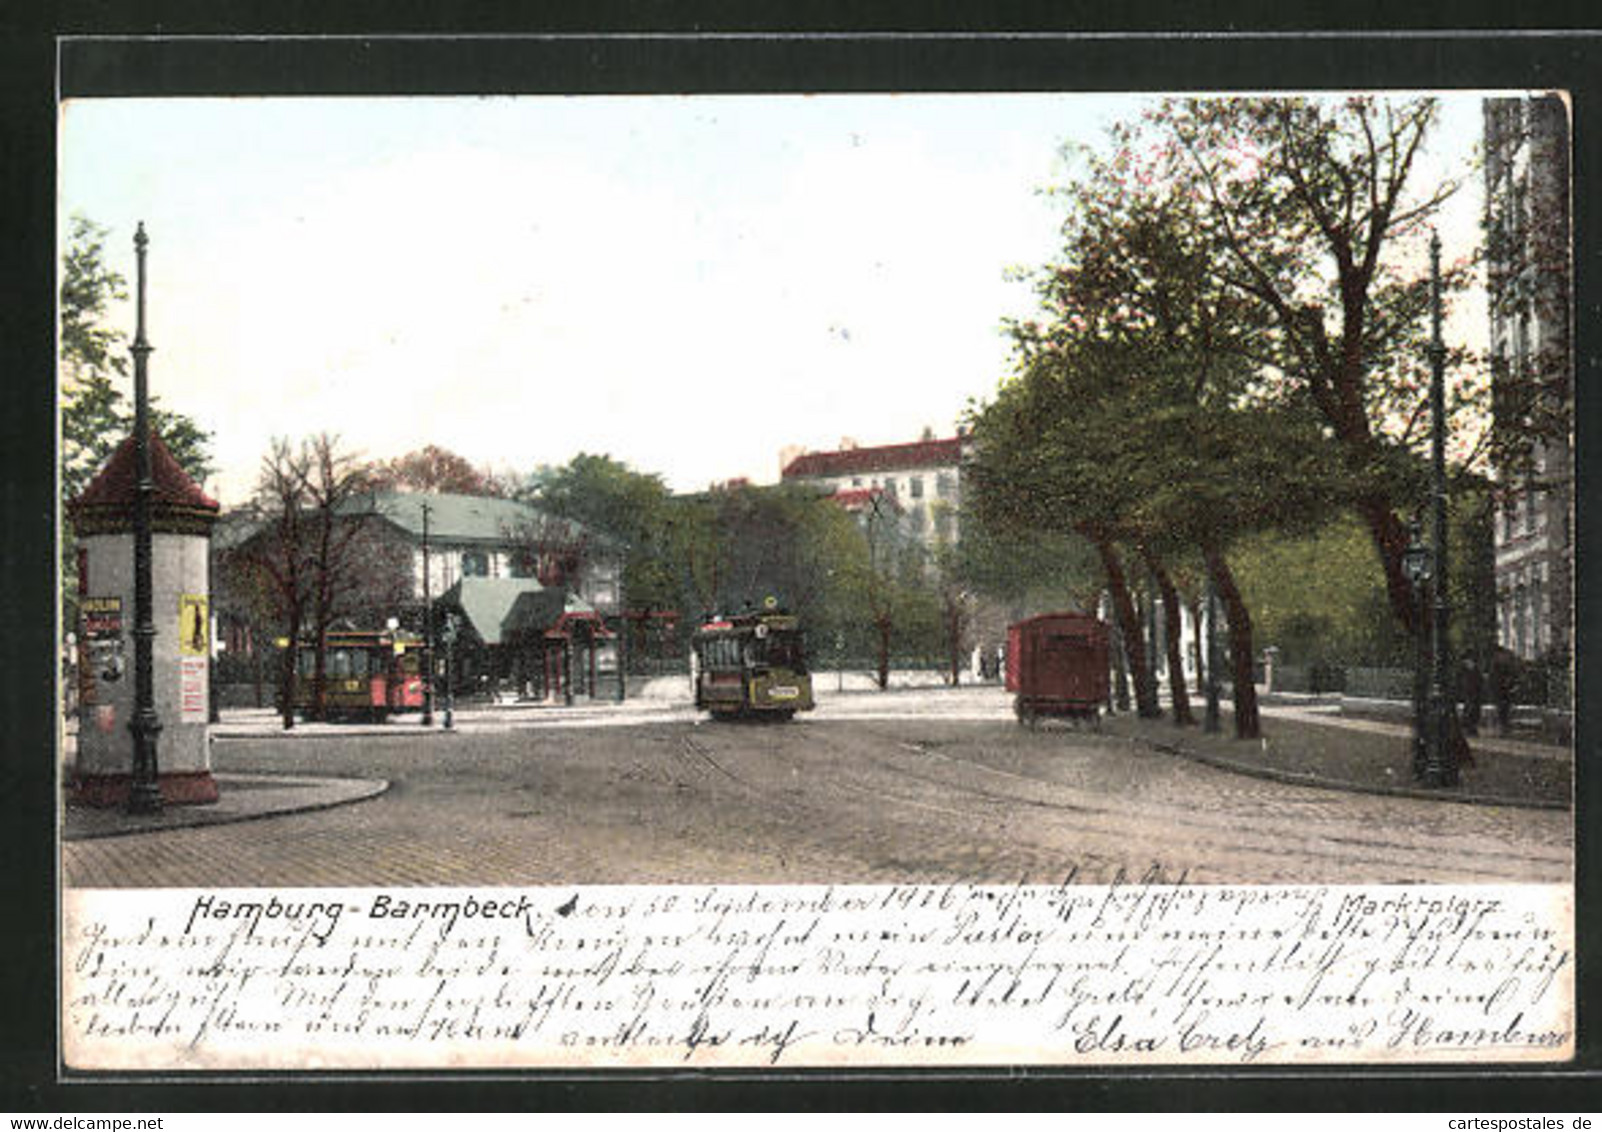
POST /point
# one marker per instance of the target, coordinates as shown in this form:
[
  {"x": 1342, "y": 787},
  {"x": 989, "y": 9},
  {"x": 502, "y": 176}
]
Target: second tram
[
  {"x": 367, "y": 674},
  {"x": 752, "y": 665}
]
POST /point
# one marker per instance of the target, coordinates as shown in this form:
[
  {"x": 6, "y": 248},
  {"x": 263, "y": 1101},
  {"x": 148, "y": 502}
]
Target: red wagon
[{"x": 1057, "y": 666}]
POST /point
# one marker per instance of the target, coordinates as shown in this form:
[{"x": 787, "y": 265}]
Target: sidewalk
[
  {"x": 241, "y": 797},
  {"x": 1313, "y": 746}
]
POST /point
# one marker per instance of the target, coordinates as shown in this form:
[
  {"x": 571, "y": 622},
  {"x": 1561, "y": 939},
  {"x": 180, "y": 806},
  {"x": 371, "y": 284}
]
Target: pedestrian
[
  {"x": 1504, "y": 673},
  {"x": 1457, "y": 746},
  {"x": 1471, "y": 693}
]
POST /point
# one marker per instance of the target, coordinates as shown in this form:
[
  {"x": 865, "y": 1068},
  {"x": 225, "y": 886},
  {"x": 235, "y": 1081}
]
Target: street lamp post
[
  {"x": 144, "y": 788},
  {"x": 451, "y": 628},
  {"x": 1418, "y": 564},
  {"x": 428, "y": 631},
  {"x": 1440, "y": 768}
]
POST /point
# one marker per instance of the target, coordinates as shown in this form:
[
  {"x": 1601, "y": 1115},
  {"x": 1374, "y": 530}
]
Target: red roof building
[
  {"x": 855, "y": 499},
  {"x": 177, "y": 504},
  {"x": 885, "y": 458},
  {"x": 922, "y": 479}
]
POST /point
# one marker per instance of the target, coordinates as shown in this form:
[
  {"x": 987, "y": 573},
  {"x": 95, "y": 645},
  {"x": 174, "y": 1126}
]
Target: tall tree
[
  {"x": 1313, "y": 209},
  {"x": 434, "y": 469},
  {"x": 1138, "y": 418},
  {"x": 318, "y": 554},
  {"x": 278, "y": 555},
  {"x": 632, "y": 507},
  {"x": 1034, "y": 468},
  {"x": 350, "y": 570}
]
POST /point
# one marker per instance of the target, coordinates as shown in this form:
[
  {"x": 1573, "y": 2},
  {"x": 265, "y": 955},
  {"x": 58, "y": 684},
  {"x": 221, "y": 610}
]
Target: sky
[{"x": 689, "y": 284}]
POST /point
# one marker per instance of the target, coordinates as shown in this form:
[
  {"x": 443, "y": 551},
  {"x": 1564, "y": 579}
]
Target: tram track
[
  {"x": 925, "y": 800},
  {"x": 1133, "y": 823}
]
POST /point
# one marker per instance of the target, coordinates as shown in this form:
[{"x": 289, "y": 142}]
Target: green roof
[
  {"x": 538, "y": 612},
  {"x": 451, "y": 518},
  {"x": 454, "y": 518},
  {"x": 488, "y": 601},
  {"x": 497, "y": 606}
]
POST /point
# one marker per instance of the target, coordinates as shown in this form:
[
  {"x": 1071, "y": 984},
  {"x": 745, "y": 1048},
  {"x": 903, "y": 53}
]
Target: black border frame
[{"x": 175, "y": 49}]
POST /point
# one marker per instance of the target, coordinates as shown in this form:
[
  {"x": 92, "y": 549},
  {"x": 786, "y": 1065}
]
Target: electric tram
[
  {"x": 752, "y": 665},
  {"x": 367, "y": 674}
]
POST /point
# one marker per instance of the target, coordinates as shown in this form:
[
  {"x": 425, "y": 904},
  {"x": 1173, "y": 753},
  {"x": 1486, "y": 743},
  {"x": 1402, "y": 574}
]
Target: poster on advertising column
[{"x": 194, "y": 648}]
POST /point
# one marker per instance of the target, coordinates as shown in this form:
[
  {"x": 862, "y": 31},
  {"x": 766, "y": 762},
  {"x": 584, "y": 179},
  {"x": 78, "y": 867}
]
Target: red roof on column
[{"x": 109, "y": 499}]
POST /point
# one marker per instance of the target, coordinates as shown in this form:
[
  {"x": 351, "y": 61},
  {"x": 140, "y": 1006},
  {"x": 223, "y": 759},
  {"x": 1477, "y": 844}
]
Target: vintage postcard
[{"x": 795, "y": 580}]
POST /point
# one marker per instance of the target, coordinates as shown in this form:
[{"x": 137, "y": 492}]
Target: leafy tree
[
  {"x": 772, "y": 542},
  {"x": 633, "y": 507},
  {"x": 1137, "y": 414},
  {"x": 434, "y": 469},
  {"x": 1310, "y": 209},
  {"x": 277, "y": 556},
  {"x": 1318, "y": 598},
  {"x": 1032, "y": 470}
]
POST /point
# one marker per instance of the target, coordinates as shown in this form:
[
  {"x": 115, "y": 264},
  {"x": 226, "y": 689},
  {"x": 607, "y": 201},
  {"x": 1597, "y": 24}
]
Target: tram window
[
  {"x": 785, "y": 650},
  {"x": 345, "y": 664},
  {"x": 338, "y": 663},
  {"x": 721, "y": 653}
]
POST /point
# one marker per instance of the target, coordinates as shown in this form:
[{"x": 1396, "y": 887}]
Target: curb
[
  {"x": 345, "y": 791},
  {"x": 1294, "y": 778},
  {"x": 357, "y": 732}
]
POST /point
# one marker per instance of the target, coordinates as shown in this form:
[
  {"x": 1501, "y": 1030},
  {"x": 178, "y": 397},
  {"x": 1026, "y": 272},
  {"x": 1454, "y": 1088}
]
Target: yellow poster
[{"x": 194, "y": 637}]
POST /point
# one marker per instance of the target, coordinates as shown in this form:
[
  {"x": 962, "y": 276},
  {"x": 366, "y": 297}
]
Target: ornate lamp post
[
  {"x": 144, "y": 792},
  {"x": 1418, "y": 563},
  {"x": 1440, "y": 769},
  {"x": 428, "y": 631},
  {"x": 448, "y": 634}
]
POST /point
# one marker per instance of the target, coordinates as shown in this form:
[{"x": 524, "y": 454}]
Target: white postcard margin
[{"x": 815, "y": 976}]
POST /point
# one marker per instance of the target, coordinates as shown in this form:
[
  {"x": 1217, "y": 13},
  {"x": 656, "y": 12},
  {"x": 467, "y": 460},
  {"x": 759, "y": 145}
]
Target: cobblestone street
[{"x": 898, "y": 793}]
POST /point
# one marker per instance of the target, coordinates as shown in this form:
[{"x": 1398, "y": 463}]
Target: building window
[
  {"x": 944, "y": 487},
  {"x": 475, "y": 564},
  {"x": 522, "y": 564},
  {"x": 915, "y": 486}
]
